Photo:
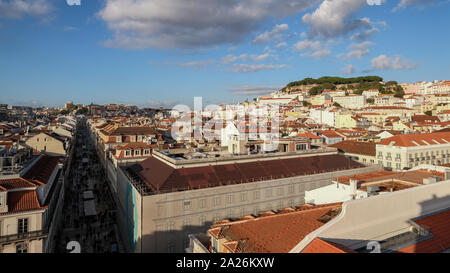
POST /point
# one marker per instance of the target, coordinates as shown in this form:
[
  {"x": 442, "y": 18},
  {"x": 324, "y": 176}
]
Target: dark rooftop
[{"x": 155, "y": 176}]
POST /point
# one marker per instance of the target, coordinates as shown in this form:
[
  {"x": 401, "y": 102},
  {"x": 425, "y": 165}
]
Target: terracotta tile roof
[
  {"x": 412, "y": 140},
  {"x": 309, "y": 135},
  {"x": 329, "y": 133},
  {"x": 424, "y": 118},
  {"x": 15, "y": 183},
  {"x": 42, "y": 170},
  {"x": 438, "y": 224},
  {"x": 134, "y": 145},
  {"x": 355, "y": 147},
  {"x": 115, "y": 131},
  {"x": 278, "y": 233},
  {"x": 319, "y": 245},
  {"x": 159, "y": 176},
  {"x": 21, "y": 201}
]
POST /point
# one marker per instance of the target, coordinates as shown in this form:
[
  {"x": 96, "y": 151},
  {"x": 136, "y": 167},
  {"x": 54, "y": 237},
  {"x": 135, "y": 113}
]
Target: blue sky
[{"x": 158, "y": 52}]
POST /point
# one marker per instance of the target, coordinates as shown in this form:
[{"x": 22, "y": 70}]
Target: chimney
[{"x": 353, "y": 185}]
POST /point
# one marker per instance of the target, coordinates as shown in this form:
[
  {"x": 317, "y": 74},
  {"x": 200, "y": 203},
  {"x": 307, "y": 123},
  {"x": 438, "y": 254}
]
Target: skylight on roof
[
  {"x": 425, "y": 142},
  {"x": 435, "y": 141},
  {"x": 415, "y": 143},
  {"x": 444, "y": 140}
]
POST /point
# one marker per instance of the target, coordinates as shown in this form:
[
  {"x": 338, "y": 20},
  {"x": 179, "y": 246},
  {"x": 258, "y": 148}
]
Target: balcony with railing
[{"x": 31, "y": 235}]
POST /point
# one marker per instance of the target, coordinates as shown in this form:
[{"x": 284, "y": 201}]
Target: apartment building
[
  {"x": 31, "y": 191},
  {"x": 165, "y": 198},
  {"x": 362, "y": 152},
  {"x": 410, "y": 150},
  {"x": 48, "y": 143},
  {"x": 351, "y": 102}
]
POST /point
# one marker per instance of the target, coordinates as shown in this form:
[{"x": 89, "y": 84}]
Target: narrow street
[{"x": 89, "y": 210}]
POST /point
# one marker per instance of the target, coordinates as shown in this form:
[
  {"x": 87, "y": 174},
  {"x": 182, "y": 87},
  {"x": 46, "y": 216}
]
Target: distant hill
[
  {"x": 335, "y": 80},
  {"x": 354, "y": 85}
]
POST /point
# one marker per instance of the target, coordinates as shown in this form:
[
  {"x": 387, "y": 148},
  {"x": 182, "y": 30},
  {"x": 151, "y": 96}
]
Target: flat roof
[{"x": 158, "y": 177}]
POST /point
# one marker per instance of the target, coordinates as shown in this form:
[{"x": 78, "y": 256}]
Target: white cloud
[
  {"x": 195, "y": 64},
  {"x": 245, "y": 68},
  {"x": 334, "y": 18},
  {"x": 269, "y": 36},
  {"x": 254, "y": 90},
  {"x": 305, "y": 45},
  {"x": 405, "y": 3},
  {"x": 230, "y": 58},
  {"x": 357, "y": 50},
  {"x": 320, "y": 53},
  {"x": 15, "y": 9},
  {"x": 156, "y": 104},
  {"x": 191, "y": 24},
  {"x": 281, "y": 44},
  {"x": 348, "y": 70},
  {"x": 384, "y": 62},
  {"x": 312, "y": 48}
]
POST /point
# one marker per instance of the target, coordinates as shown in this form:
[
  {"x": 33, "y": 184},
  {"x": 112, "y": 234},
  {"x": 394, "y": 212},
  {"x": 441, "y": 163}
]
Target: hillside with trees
[{"x": 355, "y": 85}]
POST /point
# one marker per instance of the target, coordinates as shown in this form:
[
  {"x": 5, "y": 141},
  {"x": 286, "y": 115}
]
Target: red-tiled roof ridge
[
  {"x": 160, "y": 176},
  {"x": 22, "y": 201},
  {"x": 15, "y": 183},
  {"x": 281, "y": 213},
  {"x": 289, "y": 229},
  {"x": 42, "y": 170},
  {"x": 406, "y": 140}
]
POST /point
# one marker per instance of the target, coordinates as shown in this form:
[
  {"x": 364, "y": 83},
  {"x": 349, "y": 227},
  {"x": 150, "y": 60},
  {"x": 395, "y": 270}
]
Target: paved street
[{"x": 91, "y": 223}]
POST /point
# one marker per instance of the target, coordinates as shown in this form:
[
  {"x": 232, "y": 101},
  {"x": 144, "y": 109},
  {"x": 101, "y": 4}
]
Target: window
[
  {"x": 1, "y": 200},
  {"x": 300, "y": 147},
  {"x": 133, "y": 138},
  {"x": 202, "y": 219},
  {"x": 171, "y": 247},
  {"x": 146, "y": 152},
  {"x": 217, "y": 201},
  {"x": 291, "y": 189},
  {"x": 280, "y": 191},
  {"x": 137, "y": 152},
  {"x": 243, "y": 197},
  {"x": 256, "y": 195},
  {"x": 187, "y": 205},
  {"x": 202, "y": 203},
  {"x": 127, "y": 153},
  {"x": 187, "y": 223},
  {"x": 170, "y": 226},
  {"x": 230, "y": 199},
  {"x": 22, "y": 248},
  {"x": 22, "y": 225}
]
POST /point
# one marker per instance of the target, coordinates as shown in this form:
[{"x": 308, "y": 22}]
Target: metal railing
[{"x": 38, "y": 234}]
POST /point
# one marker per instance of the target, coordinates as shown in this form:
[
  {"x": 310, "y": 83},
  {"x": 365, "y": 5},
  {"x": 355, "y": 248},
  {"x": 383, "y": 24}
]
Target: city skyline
[{"x": 153, "y": 54}]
